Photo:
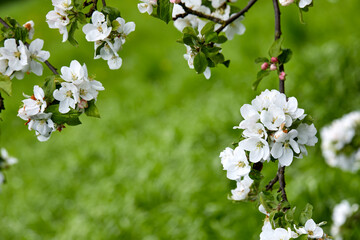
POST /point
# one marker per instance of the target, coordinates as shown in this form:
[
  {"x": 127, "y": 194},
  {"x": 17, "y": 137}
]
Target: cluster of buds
[{"x": 273, "y": 65}]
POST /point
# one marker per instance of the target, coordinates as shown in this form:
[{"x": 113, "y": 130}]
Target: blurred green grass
[{"x": 149, "y": 168}]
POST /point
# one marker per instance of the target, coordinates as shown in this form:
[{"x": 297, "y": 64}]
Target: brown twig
[
  {"x": 197, "y": 13},
  {"x": 92, "y": 9},
  {"x": 272, "y": 182},
  {"x": 237, "y": 15},
  {"x": 48, "y": 64},
  {"x": 2, "y": 106},
  {"x": 104, "y": 3}
]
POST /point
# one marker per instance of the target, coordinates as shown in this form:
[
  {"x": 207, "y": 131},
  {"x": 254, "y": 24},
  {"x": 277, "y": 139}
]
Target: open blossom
[
  {"x": 16, "y": 55},
  {"x": 124, "y": 29},
  {"x": 304, "y": 3},
  {"x": 236, "y": 27},
  {"x": 311, "y": 229},
  {"x": 235, "y": 162},
  {"x": 62, "y": 4},
  {"x": 43, "y": 126},
  {"x": 68, "y": 96},
  {"x": 75, "y": 73},
  {"x": 242, "y": 189},
  {"x": 147, "y": 6},
  {"x": 34, "y": 104},
  {"x": 98, "y": 29},
  {"x": 284, "y": 151},
  {"x": 258, "y": 147},
  {"x": 58, "y": 19},
  {"x": 37, "y": 54}
]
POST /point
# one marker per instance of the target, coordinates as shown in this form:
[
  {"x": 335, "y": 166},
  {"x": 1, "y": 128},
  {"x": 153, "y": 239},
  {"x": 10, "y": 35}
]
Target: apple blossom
[
  {"x": 43, "y": 126},
  {"x": 98, "y": 29},
  {"x": 68, "y": 96},
  {"x": 286, "y": 2},
  {"x": 37, "y": 54},
  {"x": 33, "y": 105},
  {"x": 242, "y": 189},
  {"x": 16, "y": 55},
  {"x": 235, "y": 162},
  {"x": 258, "y": 148},
  {"x": 284, "y": 151},
  {"x": 30, "y": 28},
  {"x": 58, "y": 19},
  {"x": 311, "y": 229},
  {"x": 147, "y": 6},
  {"x": 304, "y": 3}
]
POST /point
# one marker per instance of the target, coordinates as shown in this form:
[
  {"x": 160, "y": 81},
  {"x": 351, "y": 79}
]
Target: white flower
[
  {"x": 340, "y": 214},
  {"x": 250, "y": 115},
  {"x": 290, "y": 108},
  {"x": 109, "y": 52},
  {"x": 189, "y": 56},
  {"x": 282, "y": 150},
  {"x": 67, "y": 95},
  {"x": 7, "y": 160},
  {"x": 33, "y": 105},
  {"x": 147, "y": 6},
  {"x": 58, "y": 19},
  {"x": 192, "y": 3},
  {"x": 17, "y": 55},
  {"x": 125, "y": 28},
  {"x": 236, "y": 27},
  {"x": 258, "y": 147},
  {"x": 75, "y": 73},
  {"x": 37, "y": 54},
  {"x": 304, "y": 3},
  {"x": 98, "y": 30},
  {"x": 235, "y": 162},
  {"x": 311, "y": 229},
  {"x": 89, "y": 90},
  {"x": 62, "y": 4},
  {"x": 255, "y": 130},
  {"x": 30, "y": 27},
  {"x": 217, "y": 3},
  {"x": 264, "y": 100},
  {"x": 43, "y": 126},
  {"x": 307, "y": 134},
  {"x": 242, "y": 189},
  {"x": 286, "y": 2},
  {"x": 272, "y": 118}
]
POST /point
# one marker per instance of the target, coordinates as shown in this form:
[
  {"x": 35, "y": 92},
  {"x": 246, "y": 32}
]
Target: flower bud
[
  {"x": 175, "y": 1},
  {"x": 264, "y": 66},
  {"x": 286, "y": 2},
  {"x": 274, "y": 60},
  {"x": 273, "y": 67},
  {"x": 282, "y": 76}
]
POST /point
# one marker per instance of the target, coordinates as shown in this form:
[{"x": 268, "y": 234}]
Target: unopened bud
[
  {"x": 274, "y": 60},
  {"x": 264, "y": 66},
  {"x": 273, "y": 67},
  {"x": 282, "y": 76},
  {"x": 175, "y": 1}
]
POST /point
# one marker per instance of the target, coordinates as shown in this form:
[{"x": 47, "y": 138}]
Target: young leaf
[
  {"x": 221, "y": 39},
  {"x": 285, "y": 56},
  {"x": 208, "y": 28},
  {"x": 189, "y": 30},
  {"x": 81, "y": 18},
  {"x": 200, "y": 62},
  {"x": 226, "y": 63},
  {"x": 49, "y": 87},
  {"x": 164, "y": 10},
  {"x": 71, "y": 118},
  {"x": 218, "y": 58},
  {"x": 72, "y": 30},
  {"x": 275, "y": 49},
  {"x": 306, "y": 214},
  {"x": 211, "y": 37},
  {"x": 97, "y": 52},
  {"x": 92, "y": 110},
  {"x": 5, "y": 84},
  {"x": 261, "y": 60},
  {"x": 260, "y": 75},
  {"x": 111, "y": 12}
]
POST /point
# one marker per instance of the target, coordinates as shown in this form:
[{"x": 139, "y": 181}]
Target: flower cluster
[
  {"x": 16, "y": 58},
  {"x": 74, "y": 91},
  {"x": 273, "y": 65},
  {"x": 275, "y": 128},
  {"x": 108, "y": 37},
  {"x": 5, "y": 162},
  {"x": 77, "y": 88},
  {"x": 341, "y": 142},
  {"x": 311, "y": 230},
  {"x": 302, "y": 3},
  {"x": 341, "y": 213},
  {"x": 58, "y": 18}
]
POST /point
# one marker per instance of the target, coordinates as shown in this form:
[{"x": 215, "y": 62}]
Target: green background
[{"x": 149, "y": 168}]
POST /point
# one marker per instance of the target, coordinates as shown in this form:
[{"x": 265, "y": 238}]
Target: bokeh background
[{"x": 149, "y": 168}]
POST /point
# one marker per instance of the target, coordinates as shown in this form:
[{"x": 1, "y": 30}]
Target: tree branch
[
  {"x": 237, "y": 15},
  {"x": 2, "y": 106},
  {"x": 272, "y": 182},
  {"x": 197, "y": 13},
  {"x": 104, "y": 3},
  {"x": 92, "y": 9},
  {"x": 48, "y": 64}
]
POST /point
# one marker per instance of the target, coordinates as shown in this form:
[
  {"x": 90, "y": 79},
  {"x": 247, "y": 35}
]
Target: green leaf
[
  {"x": 71, "y": 118},
  {"x": 97, "y": 52},
  {"x": 111, "y": 12},
  {"x": 211, "y": 37},
  {"x": 275, "y": 49},
  {"x": 200, "y": 62},
  {"x": 260, "y": 75},
  {"x": 261, "y": 60},
  {"x": 115, "y": 25},
  {"x": 6, "y": 84},
  {"x": 265, "y": 198},
  {"x": 164, "y": 10},
  {"x": 92, "y": 110},
  {"x": 189, "y": 30},
  {"x": 49, "y": 87},
  {"x": 72, "y": 30},
  {"x": 81, "y": 18},
  {"x": 226, "y": 63},
  {"x": 308, "y": 120},
  {"x": 218, "y": 58},
  {"x": 208, "y": 28},
  {"x": 189, "y": 39},
  {"x": 221, "y": 39},
  {"x": 285, "y": 56},
  {"x": 306, "y": 214},
  {"x": 78, "y": 4}
]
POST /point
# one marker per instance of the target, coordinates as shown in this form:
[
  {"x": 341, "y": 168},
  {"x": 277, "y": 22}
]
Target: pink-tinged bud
[
  {"x": 274, "y": 60},
  {"x": 282, "y": 76},
  {"x": 273, "y": 67},
  {"x": 264, "y": 66},
  {"x": 83, "y": 104},
  {"x": 175, "y": 1}
]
